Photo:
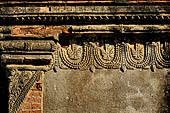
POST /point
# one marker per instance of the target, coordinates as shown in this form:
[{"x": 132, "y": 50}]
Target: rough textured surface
[
  {"x": 77, "y": 38},
  {"x": 104, "y": 91},
  {"x": 33, "y": 100}
]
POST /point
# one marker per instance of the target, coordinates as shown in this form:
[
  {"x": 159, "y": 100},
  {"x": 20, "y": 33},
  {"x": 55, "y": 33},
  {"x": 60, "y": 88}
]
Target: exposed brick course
[
  {"x": 92, "y": 35},
  {"x": 32, "y": 102}
]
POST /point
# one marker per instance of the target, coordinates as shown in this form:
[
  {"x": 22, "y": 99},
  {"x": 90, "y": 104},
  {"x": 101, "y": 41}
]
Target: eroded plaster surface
[{"x": 104, "y": 91}]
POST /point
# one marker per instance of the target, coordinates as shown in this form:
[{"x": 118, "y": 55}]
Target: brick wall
[{"x": 32, "y": 102}]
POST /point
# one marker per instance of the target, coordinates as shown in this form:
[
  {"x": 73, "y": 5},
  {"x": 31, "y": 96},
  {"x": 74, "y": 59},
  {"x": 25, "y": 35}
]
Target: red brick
[
  {"x": 37, "y": 93},
  {"x": 36, "y": 106},
  {"x": 36, "y": 111},
  {"x": 37, "y": 31},
  {"x": 20, "y": 111},
  {"x": 26, "y": 112},
  {"x": 26, "y": 106},
  {"x": 37, "y": 87},
  {"x": 30, "y": 93},
  {"x": 33, "y": 100},
  {"x": 37, "y": 100}
]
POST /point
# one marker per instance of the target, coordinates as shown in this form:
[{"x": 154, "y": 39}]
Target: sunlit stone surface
[{"x": 104, "y": 91}]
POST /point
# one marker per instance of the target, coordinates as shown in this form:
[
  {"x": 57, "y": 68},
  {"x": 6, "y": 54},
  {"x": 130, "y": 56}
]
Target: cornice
[
  {"x": 41, "y": 52},
  {"x": 39, "y": 35},
  {"x": 83, "y": 1},
  {"x": 83, "y": 19},
  {"x": 84, "y": 12}
]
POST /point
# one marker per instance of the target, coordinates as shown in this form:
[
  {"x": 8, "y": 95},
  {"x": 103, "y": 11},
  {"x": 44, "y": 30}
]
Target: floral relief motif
[
  {"x": 19, "y": 85},
  {"x": 137, "y": 51},
  {"x": 108, "y": 52},
  {"x": 166, "y": 49},
  {"x": 162, "y": 54},
  {"x": 114, "y": 54},
  {"x": 90, "y": 54},
  {"x": 75, "y": 57},
  {"x": 74, "y": 52}
]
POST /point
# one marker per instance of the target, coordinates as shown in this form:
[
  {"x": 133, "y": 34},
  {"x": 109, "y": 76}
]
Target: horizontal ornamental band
[
  {"x": 85, "y": 19},
  {"x": 84, "y": 10},
  {"x": 11, "y": 2},
  {"x": 26, "y": 59},
  {"x": 27, "y": 45},
  {"x": 38, "y": 35},
  {"x": 93, "y": 51}
]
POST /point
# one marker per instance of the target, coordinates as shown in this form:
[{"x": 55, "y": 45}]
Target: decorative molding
[
  {"x": 29, "y": 46},
  {"x": 20, "y": 82},
  {"x": 92, "y": 47},
  {"x": 114, "y": 54},
  {"x": 128, "y": 49},
  {"x": 84, "y": 9},
  {"x": 42, "y": 33},
  {"x": 84, "y": 12},
  {"x": 85, "y": 19},
  {"x": 129, "y": 2}
]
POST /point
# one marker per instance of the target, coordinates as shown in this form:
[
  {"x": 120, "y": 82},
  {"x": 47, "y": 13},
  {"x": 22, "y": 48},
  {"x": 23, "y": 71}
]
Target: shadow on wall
[{"x": 4, "y": 95}]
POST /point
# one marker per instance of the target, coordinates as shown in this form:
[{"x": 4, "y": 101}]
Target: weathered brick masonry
[
  {"x": 90, "y": 56},
  {"x": 33, "y": 100}
]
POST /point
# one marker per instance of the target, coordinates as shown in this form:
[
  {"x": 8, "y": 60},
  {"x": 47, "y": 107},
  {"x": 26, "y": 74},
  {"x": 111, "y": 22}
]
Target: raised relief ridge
[
  {"x": 115, "y": 52},
  {"x": 111, "y": 47},
  {"x": 84, "y": 12},
  {"x": 85, "y": 42},
  {"x": 20, "y": 82},
  {"x": 80, "y": 48}
]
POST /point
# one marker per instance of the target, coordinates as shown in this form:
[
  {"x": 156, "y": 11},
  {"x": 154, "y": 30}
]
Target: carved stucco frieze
[
  {"x": 28, "y": 48},
  {"x": 28, "y": 59},
  {"x": 114, "y": 54},
  {"x": 20, "y": 82}
]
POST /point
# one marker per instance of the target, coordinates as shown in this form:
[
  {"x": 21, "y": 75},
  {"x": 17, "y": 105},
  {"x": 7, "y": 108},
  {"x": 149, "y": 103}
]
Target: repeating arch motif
[
  {"x": 115, "y": 54},
  {"x": 138, "y": 55},
  {"x": 91, "y": 53},
  {"x": 162, "y": 54},
  {"x": 108, "y": 56},
  {"x": 76, "y": 57}
]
